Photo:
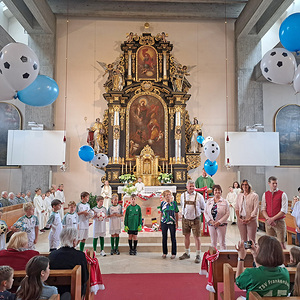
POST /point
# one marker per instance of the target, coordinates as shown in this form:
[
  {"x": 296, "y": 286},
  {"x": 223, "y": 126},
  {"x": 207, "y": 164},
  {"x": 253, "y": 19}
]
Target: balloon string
[
  {"x": 66, "y": 65},
  {"x": 226, "y": 71}
]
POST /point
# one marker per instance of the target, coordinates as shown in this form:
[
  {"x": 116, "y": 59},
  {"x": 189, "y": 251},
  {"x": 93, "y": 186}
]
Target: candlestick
[
  {"x": 166, "y": 167},
  {"x": 163, "y": 167},
  {"x": 130, "y": 166},
  {"x": 122, "y": 168},
  {"x": 126, "y": 167},
  {"x": 171, "y": 168}
]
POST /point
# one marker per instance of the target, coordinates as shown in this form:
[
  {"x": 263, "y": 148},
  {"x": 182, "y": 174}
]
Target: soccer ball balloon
[
  {"x": 3, "y": 227},
  {"x": 100, "y": 160},
  {"x": 19, "y": 65},
  {"x": 278, "y": 66},
  {"x": 211, "y": 150}
]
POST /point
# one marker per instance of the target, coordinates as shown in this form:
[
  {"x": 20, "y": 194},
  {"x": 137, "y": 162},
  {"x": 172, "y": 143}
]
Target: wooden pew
[
  {"x": 12, "y": 213},
  {"x": 231, "y": 257},
  {"x": 255, "y": 296},
  {"x": 229, "y": 280},
  {"x": 55, "y": 297},
  {"x": 59, "y": 277}
]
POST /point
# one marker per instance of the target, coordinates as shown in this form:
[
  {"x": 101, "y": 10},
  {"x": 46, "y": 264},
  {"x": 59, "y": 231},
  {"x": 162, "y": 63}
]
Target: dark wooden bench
[
  {"x": 231, "y": 257},
  {"x": 59, "y": 277}
]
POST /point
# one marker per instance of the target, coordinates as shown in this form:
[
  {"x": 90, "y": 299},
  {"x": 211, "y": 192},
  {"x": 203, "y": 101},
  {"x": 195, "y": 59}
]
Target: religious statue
[
  {"x": 96, "y": 139},
  {"x": 196, "y": 130},
  {"x": 118, "y": 78}
]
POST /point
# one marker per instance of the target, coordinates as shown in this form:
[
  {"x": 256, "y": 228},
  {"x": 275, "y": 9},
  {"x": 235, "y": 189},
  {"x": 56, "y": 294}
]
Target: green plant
[
  {"x": 92, "y": 200},
  {"x": 129, "y": 189},
  {"x": 165, "y": 177},
  {"x": 127, "y": 178}
]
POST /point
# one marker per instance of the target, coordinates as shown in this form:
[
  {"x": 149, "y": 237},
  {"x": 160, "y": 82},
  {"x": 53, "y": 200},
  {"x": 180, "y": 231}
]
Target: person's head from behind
[
  {"x": 114, "y": 199},
  {"x": 37, "y": 271},
  {"x": 56, "y": 205},
  {"x": 28, "y": 209},
  {"x": 84, "y": 196},
  {"x": 99, "y": 201},
  {"x": 295, "y": 255},
  {"x": 72, "y": 206},
  {"x": 270, "y": 252},
  {"x": 18, "y": 241},
  {"x": 69, "y": 237},
  {"x": 6, "y": 277},
  {"x": 296, "y": 291}
]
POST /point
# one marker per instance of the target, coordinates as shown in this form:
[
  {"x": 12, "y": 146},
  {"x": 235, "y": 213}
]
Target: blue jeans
[{"x": 164, "y": 229}]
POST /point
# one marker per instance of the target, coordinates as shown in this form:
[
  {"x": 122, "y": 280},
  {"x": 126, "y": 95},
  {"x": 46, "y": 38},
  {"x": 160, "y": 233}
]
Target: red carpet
[{"x": 154, "y": 286}]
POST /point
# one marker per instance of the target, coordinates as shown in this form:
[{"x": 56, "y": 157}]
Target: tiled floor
[{"x": 148, "y": 259}]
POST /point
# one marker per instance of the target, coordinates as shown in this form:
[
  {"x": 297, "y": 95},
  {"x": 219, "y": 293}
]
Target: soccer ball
[
  {"x": 91, "y": 214},
  {"x": 278, "y": 66},
  {"x": 3, "y": 227},
  {"x": 101, "y": 216},
  {"x": 19, "y": 65},
  {"x": 100, "y": 160}
]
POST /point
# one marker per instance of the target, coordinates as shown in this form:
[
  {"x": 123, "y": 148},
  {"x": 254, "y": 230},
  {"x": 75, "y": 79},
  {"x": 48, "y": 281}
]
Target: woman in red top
[{"x": 17, "y": 255}]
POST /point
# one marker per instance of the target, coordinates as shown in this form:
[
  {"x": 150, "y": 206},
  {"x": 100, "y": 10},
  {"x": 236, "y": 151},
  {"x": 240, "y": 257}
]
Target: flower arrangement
[
  {"x": 129, "y": 189},
  {"x": 165, "y": 177},
  {"x": 125, "y": 178}
]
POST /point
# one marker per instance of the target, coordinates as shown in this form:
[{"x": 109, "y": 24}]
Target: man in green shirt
[{"x": 204, "y": 180}]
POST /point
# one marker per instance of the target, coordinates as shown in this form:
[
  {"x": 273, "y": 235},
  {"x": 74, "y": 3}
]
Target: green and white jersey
[{"x": 267, "y": 282}]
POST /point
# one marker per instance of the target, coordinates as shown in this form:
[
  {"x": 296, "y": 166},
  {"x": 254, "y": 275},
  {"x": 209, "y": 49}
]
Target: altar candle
[
  {"x": 171, "y": 168},
  {"x": 163, "y": 167},
  {"x": 122, "y": 168},
  {"x": 126, "y": 167},
  {"x": 166, "y": 167},
  {"x": 130, "y": 166}
]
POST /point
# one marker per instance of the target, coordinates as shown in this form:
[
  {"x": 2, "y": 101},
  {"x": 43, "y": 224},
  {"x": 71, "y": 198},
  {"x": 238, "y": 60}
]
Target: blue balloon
[
  {"x": 210, "y": 167},
  {"x": 200, "y": 139},
  {"x": 289, "y": 32},
  {"x": 86, "y": 153},
  {"x": 43, "y": 91}
]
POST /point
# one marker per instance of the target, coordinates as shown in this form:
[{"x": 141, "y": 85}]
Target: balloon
[
  {"x": 19, "y": 65},
  {"x": 210, "y": 168},
  {"x": 278, "y": 66},
  {"x": 200, "y": 139},
  {"x": 296, "y": 82},
  {"x": 100, "y": 160},
  {"x": 209, "y": 138},
  {"x": 289, "y": 32},
  {"x": 212, "y": 150},
  {"x": 43, "y": 91},
  {"x": 86, "y": 153},
  {"x": 6, "y": 91}
]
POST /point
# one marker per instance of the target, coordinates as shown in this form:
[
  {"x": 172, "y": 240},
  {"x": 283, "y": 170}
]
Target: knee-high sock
[
  {"x": 112, "y": 242},
  {"x": 117, "y": 242},
  {"x": 130, "y": 244},
  {"x": 135, "y": 244},
  {"x": 102, "y": 243},
  {"x": 81, "y": 246},
  {"x": 95, "y": 244}
]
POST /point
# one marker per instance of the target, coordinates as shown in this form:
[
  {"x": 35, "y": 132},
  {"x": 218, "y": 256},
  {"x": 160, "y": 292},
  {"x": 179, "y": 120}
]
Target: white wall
[{"x": 195, "y": 43}]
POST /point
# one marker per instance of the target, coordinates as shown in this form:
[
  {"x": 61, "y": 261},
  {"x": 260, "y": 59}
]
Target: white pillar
[
  {"x": 177, "y": 142},
  {"x": 129, "y": 64},
  {"x": 165, "y": 65},
  {"x": 116, "y": 142}
]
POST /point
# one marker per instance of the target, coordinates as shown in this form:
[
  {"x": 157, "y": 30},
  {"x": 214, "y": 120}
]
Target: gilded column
[
  {"x": 116, "y": 136},
  {"x": 129, "y": 64},
  {"x": 178, "y": 136},
  {"x": 164, "y": 65}
]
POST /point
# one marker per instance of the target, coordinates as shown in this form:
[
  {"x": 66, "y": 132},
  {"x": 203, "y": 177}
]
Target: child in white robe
[{"x": 39, "y": 212}]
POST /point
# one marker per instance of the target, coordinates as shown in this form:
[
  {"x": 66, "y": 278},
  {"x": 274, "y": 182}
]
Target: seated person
[
  {"x": 17, "y": 255},
  {"x": 67, "y": 257},
  {"x": 270, "y": 278}
]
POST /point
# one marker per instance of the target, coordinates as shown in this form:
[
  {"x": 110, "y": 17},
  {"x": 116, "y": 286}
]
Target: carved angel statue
[
  {"x": 179, "y": 74},
  {"x": 161, "y": 36},
  {"x": 115, "y": 74},
  {"x": 196, "y": 130},
  {"x": 131, "y": 36}
]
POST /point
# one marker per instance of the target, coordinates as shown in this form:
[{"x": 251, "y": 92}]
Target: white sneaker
[{"x": 102, "y": 253}]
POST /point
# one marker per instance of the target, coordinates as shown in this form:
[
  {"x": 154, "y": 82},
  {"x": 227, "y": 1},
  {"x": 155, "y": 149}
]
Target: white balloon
[
  {"x": 278, "y": 66},
  {"x": 212, "y": 150},
  {"x": 6, "y": 91},
  {"x": 100, "y": 160},
  {"x": 207, "y": 139},
  {"x": 296, "y": 82},
  {"x": 19, "y": 65}
]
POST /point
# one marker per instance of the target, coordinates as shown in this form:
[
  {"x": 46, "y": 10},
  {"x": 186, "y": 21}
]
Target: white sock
[
  {"x": 187, "y": 251},
  {"x": 198, "y": 252}
]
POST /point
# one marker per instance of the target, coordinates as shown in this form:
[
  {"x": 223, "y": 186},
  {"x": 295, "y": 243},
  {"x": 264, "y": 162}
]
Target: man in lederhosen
[{"x": 192, "y": 205}]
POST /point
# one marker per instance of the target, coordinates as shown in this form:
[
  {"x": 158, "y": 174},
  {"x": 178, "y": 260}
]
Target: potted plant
[
  {"x": 127, "y": 178},
  {"x": 129, "y": 189},
  {"x": 165, "y": 177}
]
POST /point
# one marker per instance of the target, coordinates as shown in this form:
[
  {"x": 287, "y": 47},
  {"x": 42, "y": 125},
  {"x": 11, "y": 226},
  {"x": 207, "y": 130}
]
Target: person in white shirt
[
  {"x": 231, "y": 198},
  {"x": 106, "y": 193},
  {"x": 38, "y": 203},
  {"x": 140, "y": 186},
  {"x": 59, "y": 195},
  {"x": 192, "y": 205}
]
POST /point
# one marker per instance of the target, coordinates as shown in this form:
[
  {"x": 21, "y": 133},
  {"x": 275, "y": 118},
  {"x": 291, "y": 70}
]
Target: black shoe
[
  {"x": 233, "y": 223},
  {"x": 134, "y": 252},
  {"x": 112, "y": 252},
  {"x": 117, "y": 251},
  {"x": 130, "y": 252}
]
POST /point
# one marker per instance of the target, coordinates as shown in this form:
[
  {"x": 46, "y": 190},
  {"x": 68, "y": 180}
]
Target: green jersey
[
  {"x": 268, "y": 282},
  {"x": 133, "y": 217}
]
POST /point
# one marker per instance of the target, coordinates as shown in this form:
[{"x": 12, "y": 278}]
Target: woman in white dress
[{"x": 106, "y": 193}]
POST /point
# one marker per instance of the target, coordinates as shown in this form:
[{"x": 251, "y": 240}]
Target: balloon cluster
[
  {"x": 211, "y": 151},
  {"x": 279, "y": 64},
  {"x": 87, "y": 153},
  {"x": 19, "y": 69}
]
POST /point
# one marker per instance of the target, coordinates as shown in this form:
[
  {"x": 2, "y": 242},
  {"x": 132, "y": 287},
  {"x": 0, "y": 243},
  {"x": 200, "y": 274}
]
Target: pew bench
[
  {"x": 58, "y": 277},
  {"x": 255, "y": 296},
  {"x": 231, "y": 257},
  {"x": 12, "y": 213},
  {"x": 229, "y": 280}
]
